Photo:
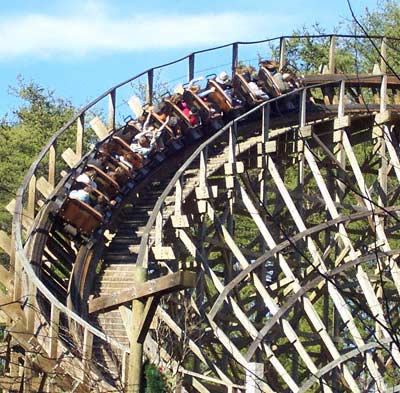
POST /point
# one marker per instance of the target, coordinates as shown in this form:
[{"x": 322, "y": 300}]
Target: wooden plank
[
  {"x": 5, "y": 242},
  {"x": 205, "y": 192},
  {"x": 180, "y": 221},
  {"x": 70, "y": 157},
  {"x": 136, "y": 106},
  {"x": 26, "y": 220},
  {"x": 306, "y": 131},
  {"x": 126, "y": 316},
  {"x": 383, "y": 117},
  {"x": 54, "y": 330},
  {"x": 163, "y": 253},
  {"x": 99, "y": 128},
  {"x": 87, "y": 351},
  {"x": 233, "y": 168},
  {"x": 341, "y": 122},
  {"x": 159, "y": 286},
  {"x": 44, "y": 187},
  {"x": 6, "y": 278}
]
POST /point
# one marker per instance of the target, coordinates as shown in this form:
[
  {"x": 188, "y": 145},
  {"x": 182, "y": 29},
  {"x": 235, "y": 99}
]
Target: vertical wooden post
[
  {"x": 17, "y": 275},
  {"x": 266, "y": 112},
  {"x": 158, "y": 230},
  {"x": 254, "y": 377},
  {"x": 149, "y": 90},
  {"x": 54, "y": 330},
  {"x": 52, "y": 165},
  {"x": 87, "y": 357},
  {"x": 231, "y": 185},
  {"x": 203, "y": 167},
  {"x": 235, "y": 54},
  {"x": 53, "y": 341},
  {"x": 379, "y": 131},
  {"x": 340, "y": 153},
  {"x": 178, "y": 197},
  {"x": 111, "y": 110},
  {"x": 282, "y": 52},
  {"x": 300, "y": 141},
  {"x": 80, "y": 129},
  {"x": 332, "y": 49},
  {"x": 125, "y": 369},
  {"x": 383, "y": 56},
  {"x": 339, "y": 189},
  {"x": 136, "y": 349},
  {"x": 191, "y": 67},
  {"x": 30, "y": 307},
  {"x": 32, "y": 197}
]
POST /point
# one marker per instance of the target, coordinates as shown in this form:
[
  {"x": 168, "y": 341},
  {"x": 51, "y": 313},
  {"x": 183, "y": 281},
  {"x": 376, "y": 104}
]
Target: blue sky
[{"x": 80, "y": 48}]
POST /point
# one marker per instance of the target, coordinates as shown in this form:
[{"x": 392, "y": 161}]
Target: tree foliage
[
  {"x": 22, "y": 138},
  {"x": 351, "y": 56}
]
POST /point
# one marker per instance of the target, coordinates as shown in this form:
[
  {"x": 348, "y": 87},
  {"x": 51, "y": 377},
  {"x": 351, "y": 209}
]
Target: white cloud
[{"x": 43, "y": 36}]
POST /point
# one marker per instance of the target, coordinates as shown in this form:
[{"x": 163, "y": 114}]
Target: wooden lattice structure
[{"x": 263, "y": 257}]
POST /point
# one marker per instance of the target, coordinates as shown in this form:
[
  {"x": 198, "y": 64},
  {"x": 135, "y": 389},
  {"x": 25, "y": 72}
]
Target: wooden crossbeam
[{"x": 157, "y": 287}]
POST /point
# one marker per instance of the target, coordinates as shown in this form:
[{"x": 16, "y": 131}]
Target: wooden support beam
[
  {"x": 99, "y": 128},
  {"x": 44, "y": 187},
  {"x": 51, "y": 177},
  {"x": 5, "y": 242},
  {"x": 136, "y": 349},
  {"x": 136, "y": 106},
  {"x": 159, "y": 286},
  {"x": 87, "y": 352},
  {"x": 6, "y": 278},
  {"x": 26, "y": 220},
  {"x": 80, "y": 130},
  {"x": 148, "y": 314},
  {"x": 70, "y": 157},
  {"x": 111, "y": 110}
]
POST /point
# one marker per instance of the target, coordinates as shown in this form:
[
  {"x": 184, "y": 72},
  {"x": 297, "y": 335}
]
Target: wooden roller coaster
[{"x": 255, "y": 251}]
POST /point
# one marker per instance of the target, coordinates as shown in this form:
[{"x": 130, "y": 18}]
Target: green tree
[
  {"x": 22, "y": 138},
  {"x": 351, "y": 56}
]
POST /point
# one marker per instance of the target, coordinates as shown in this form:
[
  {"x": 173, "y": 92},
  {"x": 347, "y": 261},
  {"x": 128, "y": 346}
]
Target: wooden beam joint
[{"x": 159, "y": 286}]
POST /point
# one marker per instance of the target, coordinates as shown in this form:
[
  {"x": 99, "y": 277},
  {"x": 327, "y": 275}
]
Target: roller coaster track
[{"x": 262, "y": 256}]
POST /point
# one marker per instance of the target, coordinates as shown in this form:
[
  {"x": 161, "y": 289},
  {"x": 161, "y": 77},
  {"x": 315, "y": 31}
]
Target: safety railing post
[
  {"x": 332, "y": 50},
  {"x": 235, "y": 59},
  {"x": 111, "y": 110},
  {"x": 32, "y": 197},
  {"x": 191, "y": 67},
  {"x": 149, "y": 89},
  {"x": 80, "y": 129},
  {"x": 282, "y": 52},
  {"x": 383, "y": 56},
  {"x": 51, "y": 178}
]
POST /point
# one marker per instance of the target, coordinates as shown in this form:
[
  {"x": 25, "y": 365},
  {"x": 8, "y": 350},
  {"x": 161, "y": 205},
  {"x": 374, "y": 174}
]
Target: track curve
[{"x": 242, "y": 209}]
